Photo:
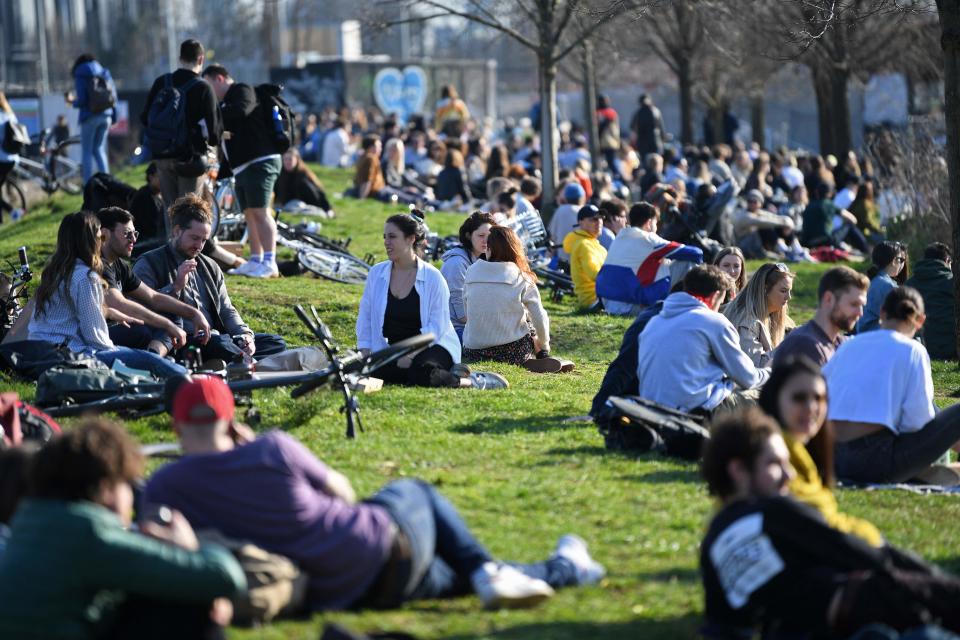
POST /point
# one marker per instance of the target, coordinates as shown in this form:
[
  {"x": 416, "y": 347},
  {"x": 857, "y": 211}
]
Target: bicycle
[
  {"x": 327, "y": 258},
  {"x": 13, "y": 293},
  {"x": 316, "y": 255},
  {"x": 52, "y": 169}
]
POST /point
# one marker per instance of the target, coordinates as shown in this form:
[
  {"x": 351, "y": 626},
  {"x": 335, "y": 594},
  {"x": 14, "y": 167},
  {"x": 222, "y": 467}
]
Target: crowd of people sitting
[{"x": 790, "y": 409}]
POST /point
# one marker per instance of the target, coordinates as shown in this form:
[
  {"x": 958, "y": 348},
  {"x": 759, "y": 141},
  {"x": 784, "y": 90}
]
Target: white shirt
[
  {"x": 844, "y": 198},
  {"x": 336, "y": 148},
  {"x": 434, "y": 308},
  {"x": 881, "y": 377},
  {"x": 563, "y": 221}
]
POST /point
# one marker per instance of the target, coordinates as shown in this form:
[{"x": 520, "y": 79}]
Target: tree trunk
[
  {"x": 758, "y": 120},
  {"x": 590, "y": 104},
  {"x": 548, "y": 134},
  {"x": 840, "y": 111},
  {"x": 949, "y": 11},
  {"x": 824, "y": 92},
  {"x": 685, "y": 81}
]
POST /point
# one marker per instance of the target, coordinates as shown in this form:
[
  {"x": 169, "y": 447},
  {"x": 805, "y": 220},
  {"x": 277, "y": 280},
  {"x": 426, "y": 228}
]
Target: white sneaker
[
  {"x": 487, "y": 381},
  {"x": 503, "y": 586},
  {"x": 265, "y": 270},
  {"x": 244, "y": 269},
  {"x": 574, "y": 549}
]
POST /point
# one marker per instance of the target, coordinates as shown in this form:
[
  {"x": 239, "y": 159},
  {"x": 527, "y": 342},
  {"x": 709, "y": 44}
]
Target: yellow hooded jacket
[
  {"x": 807, "y": 487},
  {"x": 586, "y": 258}
]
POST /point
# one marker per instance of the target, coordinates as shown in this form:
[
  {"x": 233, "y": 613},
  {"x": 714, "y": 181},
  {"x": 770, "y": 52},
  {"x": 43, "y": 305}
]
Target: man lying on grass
[
  {"x": 768, "y": 560},
  {"x": 406, "y": 542}
]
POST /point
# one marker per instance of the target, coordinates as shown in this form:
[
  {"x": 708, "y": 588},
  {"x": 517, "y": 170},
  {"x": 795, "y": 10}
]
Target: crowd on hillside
[{"x": 656, "y": 232}]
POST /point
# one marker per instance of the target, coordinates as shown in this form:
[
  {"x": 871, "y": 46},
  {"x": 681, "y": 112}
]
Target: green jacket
[
  {"x": 68, "y": 565},
  {"x": 934, "y": 280}
]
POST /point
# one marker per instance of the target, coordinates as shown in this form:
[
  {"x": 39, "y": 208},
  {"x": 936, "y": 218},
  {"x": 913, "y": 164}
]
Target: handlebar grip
[{"x": 22, "y": 252}]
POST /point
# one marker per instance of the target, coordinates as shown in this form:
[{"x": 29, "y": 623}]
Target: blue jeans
[
  {"x": 93, "y": 144},
  {"x": 138, "y": 359},
  {"x": 443, "y": 551}
]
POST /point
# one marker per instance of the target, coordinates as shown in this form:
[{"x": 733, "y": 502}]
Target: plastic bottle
[{"x": 277, "y": 121}]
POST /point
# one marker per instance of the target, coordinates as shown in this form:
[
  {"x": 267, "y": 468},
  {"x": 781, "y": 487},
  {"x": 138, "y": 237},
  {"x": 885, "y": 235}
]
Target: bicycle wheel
[
  {"x": 12, "y": 194},
  {"x": 333, "y": 265},
  {"x": 66, "y": 173}
]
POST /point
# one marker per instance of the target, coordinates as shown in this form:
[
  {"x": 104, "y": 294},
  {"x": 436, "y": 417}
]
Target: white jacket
[
  {"x": 434, "y": 308},
  {"x": 498, "y": 298}
]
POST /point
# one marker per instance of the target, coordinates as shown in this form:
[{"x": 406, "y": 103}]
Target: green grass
[{"x": 519, "y": 474}]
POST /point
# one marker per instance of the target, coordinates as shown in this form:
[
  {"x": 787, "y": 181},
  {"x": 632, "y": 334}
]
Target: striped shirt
[{"x": 74, "y": 314}]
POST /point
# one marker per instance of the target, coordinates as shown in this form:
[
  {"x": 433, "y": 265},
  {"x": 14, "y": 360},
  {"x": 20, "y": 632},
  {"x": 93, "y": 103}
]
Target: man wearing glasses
[{"x": 128, "y": 294}]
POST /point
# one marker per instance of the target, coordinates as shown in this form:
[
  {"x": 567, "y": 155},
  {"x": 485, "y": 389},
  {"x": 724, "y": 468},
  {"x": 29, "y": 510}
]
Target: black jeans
[
  {"x": 222, "y": 347},
  {"x": 5, "y": 169},
  {"x": 887, "y": 457},
  {"x": 418, "y": 374},
  {"x": 137, "y": 336}
]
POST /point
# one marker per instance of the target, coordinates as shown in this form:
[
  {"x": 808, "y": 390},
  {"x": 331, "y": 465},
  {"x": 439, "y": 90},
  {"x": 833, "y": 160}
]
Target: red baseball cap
[{"x": 203, "y": 400}]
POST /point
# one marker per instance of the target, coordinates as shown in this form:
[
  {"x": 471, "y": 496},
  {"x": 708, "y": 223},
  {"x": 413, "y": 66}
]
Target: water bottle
[{"x": 277, "y": 121}]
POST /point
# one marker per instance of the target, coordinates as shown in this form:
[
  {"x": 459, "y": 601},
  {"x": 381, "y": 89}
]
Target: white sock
[
  {"x": 269, "y": 257},
  {"x": 256, "y": 257}
]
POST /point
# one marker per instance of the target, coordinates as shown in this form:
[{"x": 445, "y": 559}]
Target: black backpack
[
  {"x": 167, "y": 133},
  {"x": 15, "y": 137},
  {"x": 101, "y": 94},
  {"x": 631, "y": 423},
  {"x": 278, "y": 116}
]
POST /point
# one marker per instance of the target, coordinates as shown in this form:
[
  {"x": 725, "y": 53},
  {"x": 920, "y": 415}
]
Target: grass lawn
[{"x": 518, "y": 473}]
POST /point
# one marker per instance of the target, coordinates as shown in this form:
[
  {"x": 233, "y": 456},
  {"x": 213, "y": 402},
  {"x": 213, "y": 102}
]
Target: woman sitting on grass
[
  {"x": 405, "y": 296},
  {"x": 298, "y": 182},
  {"x": 731, "y": 262},
  {"x": 881, "y": 402},
  {"x": 888, "y": 271},
  {"x": 759, "y": 312},
  {"x": 70, "y": 303},
  {"x": 796, "y": 397},
  {"x": 473, "y": 245},
  {"x": 500, "y": 294}
]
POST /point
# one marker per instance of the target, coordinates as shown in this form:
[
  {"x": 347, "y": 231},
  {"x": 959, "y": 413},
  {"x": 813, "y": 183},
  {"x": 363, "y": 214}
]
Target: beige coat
[{"x": 499, "y": 301}]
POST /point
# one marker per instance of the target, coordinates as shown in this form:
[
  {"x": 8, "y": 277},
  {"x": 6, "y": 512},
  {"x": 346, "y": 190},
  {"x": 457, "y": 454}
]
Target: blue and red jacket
[{"x": 637, "y": 268}]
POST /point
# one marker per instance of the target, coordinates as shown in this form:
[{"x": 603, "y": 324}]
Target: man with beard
[
  {"x": 842, "y": 293},
  {"x": 126, "y": 293},
  {"x": 178, "y": 269}
]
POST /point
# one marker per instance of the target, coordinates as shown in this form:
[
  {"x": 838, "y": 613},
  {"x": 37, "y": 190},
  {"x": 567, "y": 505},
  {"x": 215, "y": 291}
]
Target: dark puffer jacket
[{"x": 934, "y": 280}]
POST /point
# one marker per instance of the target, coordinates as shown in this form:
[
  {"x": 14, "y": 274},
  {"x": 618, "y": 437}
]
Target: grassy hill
[{"x": 519, "y": 474}]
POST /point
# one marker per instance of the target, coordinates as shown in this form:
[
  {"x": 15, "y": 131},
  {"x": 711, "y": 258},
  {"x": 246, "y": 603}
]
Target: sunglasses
[
  {"x": 779, "y": 266},
  {"x": 803, "y": 397},
  {"x": 131, "y": 235}
]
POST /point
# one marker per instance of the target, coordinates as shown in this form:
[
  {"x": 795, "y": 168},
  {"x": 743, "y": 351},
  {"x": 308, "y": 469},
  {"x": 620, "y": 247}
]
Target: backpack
[
  {"x": 275, "y": 585},
  {"x": 20, "y": 422},
  {"x": 630, "y": 423},
  {"x": 167, "y": 133},
  {"x": 68, "y": 384},
  {"x": 103, "y": 190},
  {"x": 16, "y": 138},
  {"x": 101, "y": 93},
  {"x": 278, "y": 116}
]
